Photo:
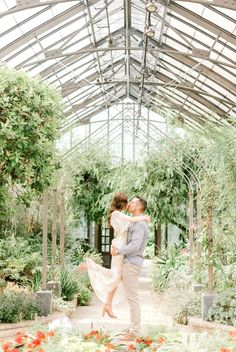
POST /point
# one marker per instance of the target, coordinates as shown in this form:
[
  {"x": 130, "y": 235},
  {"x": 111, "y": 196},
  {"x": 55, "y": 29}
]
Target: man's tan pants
[{"x": 130, "y": 278}]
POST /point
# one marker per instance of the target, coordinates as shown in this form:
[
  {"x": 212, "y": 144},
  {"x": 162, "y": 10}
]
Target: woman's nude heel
[{"x": 107, "y": 310}]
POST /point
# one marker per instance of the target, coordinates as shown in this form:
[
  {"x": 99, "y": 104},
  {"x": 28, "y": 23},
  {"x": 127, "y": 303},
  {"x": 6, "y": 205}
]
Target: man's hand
[
  {"x": 148, "y": 219},
  {"x": 114, "y": 251}
]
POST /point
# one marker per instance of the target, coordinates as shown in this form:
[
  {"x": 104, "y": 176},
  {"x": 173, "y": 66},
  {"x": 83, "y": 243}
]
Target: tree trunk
[
  {"x": 88, "y": 231},
  {"x": 157, "y": 238},
  {"x": 166, "y": 235},
  {"x": 98, "y": 235}
]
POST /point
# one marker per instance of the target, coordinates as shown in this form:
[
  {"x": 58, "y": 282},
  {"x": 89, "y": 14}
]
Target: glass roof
[{"x": 96, "y": 53}]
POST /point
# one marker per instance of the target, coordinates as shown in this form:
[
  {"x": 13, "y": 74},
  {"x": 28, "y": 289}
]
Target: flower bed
[
  {"x": 183, "y": 342},
  {"x": 64, "y": 339}
]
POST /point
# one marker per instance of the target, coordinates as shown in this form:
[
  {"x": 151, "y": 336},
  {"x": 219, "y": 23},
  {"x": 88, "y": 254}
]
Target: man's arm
[{"x": 136, "y": 241}]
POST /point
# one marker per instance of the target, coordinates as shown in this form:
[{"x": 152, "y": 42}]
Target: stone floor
[
  {"x": 90, "y": 317},
  {"x": 151, "y": 310}
]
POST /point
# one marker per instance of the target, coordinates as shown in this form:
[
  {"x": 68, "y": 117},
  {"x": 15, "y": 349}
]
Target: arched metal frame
[{"x": 188, "y": 68}]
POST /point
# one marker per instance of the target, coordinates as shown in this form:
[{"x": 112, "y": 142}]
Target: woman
[{"x": 107, "y": 282}]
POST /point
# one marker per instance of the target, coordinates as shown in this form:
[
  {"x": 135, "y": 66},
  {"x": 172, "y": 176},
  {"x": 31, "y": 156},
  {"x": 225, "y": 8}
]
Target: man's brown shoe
[{"x": 128, "y": 336}]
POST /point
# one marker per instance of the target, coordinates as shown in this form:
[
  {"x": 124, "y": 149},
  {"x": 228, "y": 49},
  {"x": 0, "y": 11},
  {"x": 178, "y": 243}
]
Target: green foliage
[
  {"x": 17, "y": 304},
  {"x": 180, "y": 299},
  {"x": 89, "y": 186},
  {"x": 175, "y": 340},
  {"x": 165, "y": 188},
  {"x": 223, "y": 309},
  {"x": 169, "y": 261},
  {"x": 69, "y": 284},
  {"x": 149, "y": 251},
  {"x": 84, "y": 280},
  {"x": 3, "y": 284},
  {"x": 30, "y": 114},
  {"x": 19, "y": 259},
  {"x": 78, "y": 250},
  {"x": 160, "y": 180},
  {"x": 173, "y": 276},
  {"x": 190, "y": 305},
  {"x": 72, "y": 287},
  {"x": 84, "y": 296}
]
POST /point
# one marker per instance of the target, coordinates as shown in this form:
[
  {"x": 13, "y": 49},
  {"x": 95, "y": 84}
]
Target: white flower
[{"x": 64, "y": 324}]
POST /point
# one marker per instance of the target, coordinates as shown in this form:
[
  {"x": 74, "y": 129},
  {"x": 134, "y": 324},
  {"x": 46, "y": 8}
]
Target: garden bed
[
  {"x": 200, "y": 325},
  {"x": 61, "y": 336},
  {"x": 9, "y": 329}
]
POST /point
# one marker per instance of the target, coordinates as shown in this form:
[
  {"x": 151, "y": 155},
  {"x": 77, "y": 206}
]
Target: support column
[
  {"x": 208, "y": 297},
  {"x": 54, "y": 285},
  {"x": 45, "y": 240},
  {"x": 191, "y": 228},
  {"x": 54, "y": 232},
  {"x": 210, "y": 248},
  {"x": 44, "y": 296},
  {"x": 62, "y": 231},
  {"x": 199, "y": 224}
]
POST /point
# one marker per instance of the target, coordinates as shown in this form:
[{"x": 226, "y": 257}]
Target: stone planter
[
  {"x": 44, "y": 298},
  {"x": 55, "y": 287},
  {"x": 207, "y": 302},
  {"x": 198, "y": 287}
]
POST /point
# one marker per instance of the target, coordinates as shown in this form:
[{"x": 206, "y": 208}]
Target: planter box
[
  {"x": 201, "y": 325},
  {"x": 8, "y": 330}
]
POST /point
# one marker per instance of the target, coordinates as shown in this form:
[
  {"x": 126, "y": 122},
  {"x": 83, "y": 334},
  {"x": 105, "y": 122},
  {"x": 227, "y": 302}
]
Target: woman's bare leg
[
  {"x": 110, "y": 296},
  {"x": 108, "y": 305}
]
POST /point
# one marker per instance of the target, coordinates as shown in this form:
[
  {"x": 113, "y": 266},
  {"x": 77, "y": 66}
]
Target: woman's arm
[{"x": 138, "y": 218}]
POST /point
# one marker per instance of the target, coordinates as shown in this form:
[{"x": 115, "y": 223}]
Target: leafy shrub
[
  {"x": 3, "y": 284},
  {"x": 35, "y": 282},
  {"x": 30, "y": 114},
  {"x": 17, "y": 304},
  {"x": 80, "y": 250},
  {"x": 84, "y": 296},
  {"x": 174, "y": 340},
  {"x": 149, "y": 251},
  {"x": 72, "y": 286},
  {"x": 189, "y": 306},
  {"x": 69, "y": 284},
  {"x": 224, "y": 307},
  {"x": 84, "y": 280},
  {"x": 168, "y": 261},
  {"x": 97, "y": 257},
  {"x": 225, "y": 277},
  {"x": 180, "y": 299},
  {"x": 59, "y": 305},
  {"x": 17, "y": 260}
]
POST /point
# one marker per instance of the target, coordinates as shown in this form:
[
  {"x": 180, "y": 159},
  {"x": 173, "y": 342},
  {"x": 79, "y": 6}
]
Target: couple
[{"x": 130, "y": 235}]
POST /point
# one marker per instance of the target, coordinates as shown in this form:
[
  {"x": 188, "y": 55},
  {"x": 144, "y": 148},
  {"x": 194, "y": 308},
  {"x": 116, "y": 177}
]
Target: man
[{"x": 133, "y": 261}]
